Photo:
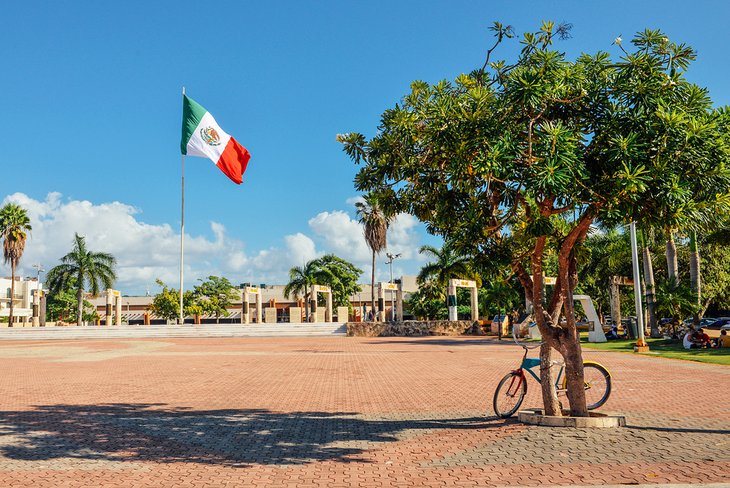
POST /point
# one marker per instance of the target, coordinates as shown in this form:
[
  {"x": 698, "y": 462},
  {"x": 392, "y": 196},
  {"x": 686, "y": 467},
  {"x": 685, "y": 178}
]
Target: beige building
[{"x": 275, "y": 306}]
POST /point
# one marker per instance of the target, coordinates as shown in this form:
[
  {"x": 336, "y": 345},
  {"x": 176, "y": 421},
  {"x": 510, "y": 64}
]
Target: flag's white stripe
[{"x": 197, "y": 145}]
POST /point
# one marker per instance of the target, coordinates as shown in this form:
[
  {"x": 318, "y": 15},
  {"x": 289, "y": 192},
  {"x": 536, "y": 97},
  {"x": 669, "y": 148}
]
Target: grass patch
[{"x": 664, "y": 348}]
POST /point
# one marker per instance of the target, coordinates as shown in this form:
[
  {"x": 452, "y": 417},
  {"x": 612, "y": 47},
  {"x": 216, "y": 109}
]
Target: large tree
[
  {"x": 448, "y": 263},
  {"x": 301, "y": 280},
  {"x": 341, "y": 277},
  {"x": 375, "y": 220},
  {"x": 82, "y": 268},
  {"x": 215, "y": 295},
  {"x": 522, "y": 157},
  {"x": 14, "y": 226}
]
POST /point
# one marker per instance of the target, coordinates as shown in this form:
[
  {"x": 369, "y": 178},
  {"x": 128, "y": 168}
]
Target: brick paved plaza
[{"x": 337, "y": 412}]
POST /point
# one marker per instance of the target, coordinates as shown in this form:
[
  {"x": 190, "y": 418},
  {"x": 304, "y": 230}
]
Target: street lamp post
[
  {"x": 39, "y": 268},
  {"x": 391, "y": 258},
  {"x": 641, "y": 345}
]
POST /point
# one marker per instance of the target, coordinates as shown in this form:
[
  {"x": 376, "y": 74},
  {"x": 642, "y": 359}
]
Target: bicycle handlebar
[{"x": 514, "y": 336}]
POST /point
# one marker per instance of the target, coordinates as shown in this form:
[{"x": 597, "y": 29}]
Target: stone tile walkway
[{"x": 337, "y": 412}]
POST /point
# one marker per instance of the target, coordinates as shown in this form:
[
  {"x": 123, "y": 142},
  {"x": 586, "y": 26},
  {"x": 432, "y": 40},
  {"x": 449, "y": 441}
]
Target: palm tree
[
  {"x": 14, "y": 225},
  {"x": 301, "y": 279},
  {"x": 95, "y": 269},
  {"x": 448, "y": 264},
  {"x": 375, "y": 221},
  {"x": 649, "y": 282}
]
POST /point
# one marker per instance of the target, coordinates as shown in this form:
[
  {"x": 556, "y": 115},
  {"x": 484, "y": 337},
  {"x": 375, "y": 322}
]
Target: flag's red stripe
[{"x": 234, "y": 160}]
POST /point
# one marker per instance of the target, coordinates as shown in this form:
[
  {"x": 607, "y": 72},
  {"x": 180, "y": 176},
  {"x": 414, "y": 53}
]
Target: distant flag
[{"x": 202, "y": 136}]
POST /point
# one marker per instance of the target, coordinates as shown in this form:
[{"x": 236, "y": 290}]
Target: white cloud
[{"x": 145, "y": 252}]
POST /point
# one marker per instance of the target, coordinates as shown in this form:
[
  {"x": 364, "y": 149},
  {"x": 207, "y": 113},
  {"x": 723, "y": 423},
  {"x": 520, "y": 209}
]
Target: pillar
[
  {"x": 328, "y": 317},
  {"x": 118, "y": 310},
  {"x": 36, "y": 308},
  {"x": 474, "y": 304},
  {"x": 399, "y": 303},
  {"x": 381, "y": 304},
  {"x": 109, "y": 298},
  {"x": 615, "y": 300},
  {"x": 312, "y": 306},
  {"x": 451, "y": 301},
  {"x": 259, "y": 309},
  {"x": 244, "y": 307}
]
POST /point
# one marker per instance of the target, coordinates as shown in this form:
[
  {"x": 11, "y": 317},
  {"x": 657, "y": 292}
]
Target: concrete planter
[
  {"x": 596, "y": 420},
  {"x": 413, "y": 328}
]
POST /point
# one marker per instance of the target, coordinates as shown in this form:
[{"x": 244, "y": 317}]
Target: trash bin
[{"x": 633, "y": 330}]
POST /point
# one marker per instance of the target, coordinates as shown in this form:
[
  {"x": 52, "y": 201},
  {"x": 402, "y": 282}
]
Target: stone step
[{"x": 155, "y": 331}]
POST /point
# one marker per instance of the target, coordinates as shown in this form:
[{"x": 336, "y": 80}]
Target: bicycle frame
[{"x": 528, "y": 364}]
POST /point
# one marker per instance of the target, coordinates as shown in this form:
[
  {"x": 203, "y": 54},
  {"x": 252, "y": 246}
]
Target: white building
[{"x": 22, "y": 300}]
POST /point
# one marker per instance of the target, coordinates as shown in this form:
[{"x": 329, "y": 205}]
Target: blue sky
[{"x": 91, "y": 95}]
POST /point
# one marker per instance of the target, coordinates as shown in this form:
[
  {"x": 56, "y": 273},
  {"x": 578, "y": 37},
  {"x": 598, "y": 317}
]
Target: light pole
[
  {"x": 39, "y": 268},
  {"x": 391, "y": 258},
  {"x": 37, "y": 301},
  {"x": 641, "y": 345}
]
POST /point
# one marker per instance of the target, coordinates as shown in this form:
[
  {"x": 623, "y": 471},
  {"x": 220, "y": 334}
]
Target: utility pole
[{"x": 391, "y": 258}]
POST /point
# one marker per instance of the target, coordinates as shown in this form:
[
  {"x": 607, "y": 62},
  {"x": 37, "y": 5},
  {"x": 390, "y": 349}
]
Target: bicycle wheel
[
  {"x": 597, "y": 382},
  {"x": 509, "y": 395}
]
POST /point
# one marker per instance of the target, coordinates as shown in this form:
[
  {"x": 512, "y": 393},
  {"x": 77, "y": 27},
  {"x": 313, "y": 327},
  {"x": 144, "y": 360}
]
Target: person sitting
[
  {"x": 723, "y": 340},
  {"x": 688, "y": 342},
  {"x": 702, "y": 339}
]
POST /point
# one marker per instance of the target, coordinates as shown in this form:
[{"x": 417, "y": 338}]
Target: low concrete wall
[{"x": 413, "y": 328}]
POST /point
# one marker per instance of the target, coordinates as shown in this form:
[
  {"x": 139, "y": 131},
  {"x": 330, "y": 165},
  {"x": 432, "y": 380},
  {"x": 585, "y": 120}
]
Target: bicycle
[{"x": 512, "y": 389}]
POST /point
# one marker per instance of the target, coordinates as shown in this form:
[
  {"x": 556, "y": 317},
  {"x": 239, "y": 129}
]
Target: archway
[
  {"x": 313, "y": 303},
  {"x": 113, "y": 298},
  {"x": 396, "y": 288},
  {"x": 245, "y": 309},
  {"x": 451, "y": 300}
]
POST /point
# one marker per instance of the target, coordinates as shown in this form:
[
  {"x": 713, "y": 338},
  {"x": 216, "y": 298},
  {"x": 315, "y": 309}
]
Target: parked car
[
  {"x": 704, "y": 321},
  {"x": 718, "y": 324}
]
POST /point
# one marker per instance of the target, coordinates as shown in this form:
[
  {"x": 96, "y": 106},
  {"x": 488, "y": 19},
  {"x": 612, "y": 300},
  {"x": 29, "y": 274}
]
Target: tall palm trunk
[
  {"x": 12, "y": 293},
  {"x": 672, "y": 266},
  {"x": 80, "y": 309},
  {"x": 372, "y": 287},
  {"x": 650, "y": 286},
  {"x": 694, "y": 269}
]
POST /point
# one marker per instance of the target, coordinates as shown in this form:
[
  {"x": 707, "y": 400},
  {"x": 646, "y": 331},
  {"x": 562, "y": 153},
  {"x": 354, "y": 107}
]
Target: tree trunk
[
  {"x": 571, "y": 350},
  {"x": 694, "y": 270},
  {"x": 372, "y": 289},
  {"x": 650, "y": 287},
  {"x": 12, "y": 293},
  {"x": 672, "y": 266},
  {"x": 80, "y": 309},
  {"x": 547, "y": 385}
]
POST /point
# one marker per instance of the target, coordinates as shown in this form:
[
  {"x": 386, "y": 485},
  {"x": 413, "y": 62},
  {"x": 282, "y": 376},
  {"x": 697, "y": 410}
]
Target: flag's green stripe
[{"x": 192, "y": 113}]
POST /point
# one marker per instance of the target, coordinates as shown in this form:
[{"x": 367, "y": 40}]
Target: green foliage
[
  {"x": 518, "y": 159},
  {"x": 329, "y": 270},
  {"x": 448, "y": 264},
  {"x": 14, "y": 228},
  {"x": 166, "y": 303},
  {"x": 341, "y": 277},
  {"x": 80, "y": 269},
  {"x": 213, "y": 296},
  {"x": 715, "y": 260},
  {"x": 675, "y": 300},
  {"x": 63, "y": 306}
]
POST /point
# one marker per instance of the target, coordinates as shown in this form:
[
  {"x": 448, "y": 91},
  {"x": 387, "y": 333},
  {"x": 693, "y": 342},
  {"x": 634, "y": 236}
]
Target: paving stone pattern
[{"x": 337, "y": 412}]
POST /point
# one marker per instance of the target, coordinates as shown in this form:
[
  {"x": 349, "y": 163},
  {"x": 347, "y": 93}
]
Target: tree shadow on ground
[{"x": 159, "y": 433}]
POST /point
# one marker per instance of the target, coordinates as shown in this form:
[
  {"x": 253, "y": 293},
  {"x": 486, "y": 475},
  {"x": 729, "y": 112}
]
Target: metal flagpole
[{"x": 182, "y": 233}]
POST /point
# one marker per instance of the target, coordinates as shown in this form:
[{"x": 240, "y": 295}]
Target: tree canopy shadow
[{"x": 230, "y": 437}]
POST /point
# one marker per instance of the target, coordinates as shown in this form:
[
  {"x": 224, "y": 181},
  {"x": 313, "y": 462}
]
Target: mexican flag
[{"x": 202, "y": 136}]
